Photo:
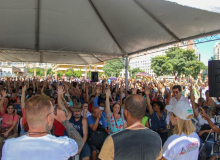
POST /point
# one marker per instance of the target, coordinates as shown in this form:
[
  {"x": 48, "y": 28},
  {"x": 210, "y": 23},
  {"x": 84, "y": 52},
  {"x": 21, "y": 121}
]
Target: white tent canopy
[{"x": 90, "y": 31}]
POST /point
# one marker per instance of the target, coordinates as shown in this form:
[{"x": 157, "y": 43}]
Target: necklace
[{"x": 35, "y": 133}]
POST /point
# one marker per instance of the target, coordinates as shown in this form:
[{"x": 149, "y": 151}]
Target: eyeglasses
[
  {"x": 54, "y": 111},
  {"x": 128, "y": 110},
  {"x": 10, "y": 108},
  {"x": 175, "y": 92}
]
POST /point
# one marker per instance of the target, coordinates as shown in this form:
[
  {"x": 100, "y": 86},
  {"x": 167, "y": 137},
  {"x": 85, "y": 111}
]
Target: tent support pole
[
  {"x": 156, "y": 20},
  {"x": 106, "y": 27},
  {"x": 126, "y": 73},
  {"x": 37, "y": 26}
]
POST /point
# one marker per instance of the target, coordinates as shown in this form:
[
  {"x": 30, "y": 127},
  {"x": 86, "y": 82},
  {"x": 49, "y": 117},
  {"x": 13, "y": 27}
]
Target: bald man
[
  {"x": 94, "y": 120},
  {"x": 136, "y": 141}
]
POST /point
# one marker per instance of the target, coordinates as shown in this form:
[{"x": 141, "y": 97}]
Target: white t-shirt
[
  {"x": 182, "y": 147},
  {"x": 47, "y": 147}
]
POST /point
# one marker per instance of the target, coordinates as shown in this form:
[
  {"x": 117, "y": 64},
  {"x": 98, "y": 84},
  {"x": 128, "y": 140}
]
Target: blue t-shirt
[
  {"x": 102, "y": 121},
  {"x": 18, "y": 108}
]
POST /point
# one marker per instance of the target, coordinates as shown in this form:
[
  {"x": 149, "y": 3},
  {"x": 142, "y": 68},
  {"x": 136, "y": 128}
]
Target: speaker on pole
[
  {"x": 95, "y": 76},
  {"x": 214, "y": 78}
]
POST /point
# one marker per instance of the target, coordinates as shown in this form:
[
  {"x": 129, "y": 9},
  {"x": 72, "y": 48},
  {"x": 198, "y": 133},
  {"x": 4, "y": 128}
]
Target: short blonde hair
[
  {"x": 36, "y": 109},
  {"x": 184, "y": 126}
]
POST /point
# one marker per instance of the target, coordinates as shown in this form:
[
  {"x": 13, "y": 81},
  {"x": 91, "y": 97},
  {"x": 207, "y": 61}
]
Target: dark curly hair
[{"x": 159, "y": 103}]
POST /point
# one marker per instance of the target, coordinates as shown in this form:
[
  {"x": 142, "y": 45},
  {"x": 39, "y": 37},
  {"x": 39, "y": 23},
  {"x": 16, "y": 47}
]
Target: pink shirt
[
  {"x": 8, "y": 121},
  {"x": 3, "y": 111}
]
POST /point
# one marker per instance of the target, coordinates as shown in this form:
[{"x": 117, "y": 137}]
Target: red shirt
[{"x": 58, "y": 128}]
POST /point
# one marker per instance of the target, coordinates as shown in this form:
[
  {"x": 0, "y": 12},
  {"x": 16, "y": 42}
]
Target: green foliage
[
  {"x": 78, "y": 73},
  {"x": 39, "y": 71},
  {"x": 69, "y": 72},
  {"x": 50, "y": 71},
  {"x": 177, "y": 62},
  {"x": 113, "y": 67},
  {"x": 59, "y": 74},
  {"x": 135, "y": 71},
  {"x": 211, "y": 58},
  {"x": 100, "y": 74}
]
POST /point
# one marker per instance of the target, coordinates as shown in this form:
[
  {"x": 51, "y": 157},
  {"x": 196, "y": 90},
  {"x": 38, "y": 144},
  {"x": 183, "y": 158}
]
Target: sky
[{"x": 206, "y": 50}]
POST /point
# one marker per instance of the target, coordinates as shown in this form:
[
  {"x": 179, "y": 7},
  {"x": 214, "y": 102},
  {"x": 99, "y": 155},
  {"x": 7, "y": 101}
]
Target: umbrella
[
  {"x": 113, "y": 78},
  {"x": 143, "y": 74}
]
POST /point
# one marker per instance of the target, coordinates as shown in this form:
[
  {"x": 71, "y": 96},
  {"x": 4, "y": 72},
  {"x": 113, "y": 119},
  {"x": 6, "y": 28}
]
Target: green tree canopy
[
  {"x": 136, "y": 70},
  {"x": 59, "y": 74},
  {"x": 78, "y": 73},
  {"x": 211, "y": 58},
  {"x": 50, "y": 71},
  {"x": 69, "y": 72},
  {"x": 113, "y": 67},
  {"x": 177, "y": 62},
  {"x": 39, "y": 71}
]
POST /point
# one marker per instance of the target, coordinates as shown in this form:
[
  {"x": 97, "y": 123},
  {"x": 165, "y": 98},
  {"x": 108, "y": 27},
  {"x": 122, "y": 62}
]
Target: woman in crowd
[
  {"x": 184, "y": 143},
  {"x": 203, "y": 127},
  {"x": 158, "y": 116},
  {"x": 9, "y": 121},
  {"x": 115, "y": 121}
]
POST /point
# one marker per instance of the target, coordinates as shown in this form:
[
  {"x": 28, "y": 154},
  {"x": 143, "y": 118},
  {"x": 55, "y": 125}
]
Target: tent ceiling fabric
[{"x": 71, "y": 31}]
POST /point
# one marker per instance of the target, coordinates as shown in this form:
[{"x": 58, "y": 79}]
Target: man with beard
[
  {"x": 81, "y": 125},
  {"x": 136, "y": 141},
  {"x": 78, "y": 122}
]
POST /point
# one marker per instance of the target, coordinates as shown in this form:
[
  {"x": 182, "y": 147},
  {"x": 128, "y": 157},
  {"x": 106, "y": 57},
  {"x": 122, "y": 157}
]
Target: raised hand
[
  {"x": 3, "y": 92},
  {"x": 108, "y": 92},
  {"x": 146, "y": 90},
  {"x": 60, "y": 90}
]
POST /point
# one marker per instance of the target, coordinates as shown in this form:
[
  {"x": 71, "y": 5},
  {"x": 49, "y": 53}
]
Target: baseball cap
[{"x": 181, "y": 109}]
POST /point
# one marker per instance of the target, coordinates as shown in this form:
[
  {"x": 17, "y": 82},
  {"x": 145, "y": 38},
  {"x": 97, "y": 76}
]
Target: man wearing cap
[
  {"x": 184, "y": 143},
  {"x": 78, "y": 122},
  {"x": 81, "y": 125}
]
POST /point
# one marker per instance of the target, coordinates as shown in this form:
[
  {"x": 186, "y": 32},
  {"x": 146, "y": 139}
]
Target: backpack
[{"x": 98, "y": 137}]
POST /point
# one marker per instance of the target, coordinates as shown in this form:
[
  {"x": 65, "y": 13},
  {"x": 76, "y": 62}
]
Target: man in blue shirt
[{"x": 94, "y": 120}]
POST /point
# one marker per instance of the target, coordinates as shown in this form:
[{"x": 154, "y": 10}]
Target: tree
[
  {"x": 135, "y": 70},
  {"x": 59, "y": 74},
  {"x": 50, "y": 71},
  {"x": 78, "y": 73},
  {"x": 211, "y": 58},
  {"x": 113, "y": 67},
  {"x": 177, "y": 62},
  {"x": 160, "y": 65},
  {"x": 69, "y": 72},
  {"x": 39, "y": 71}
]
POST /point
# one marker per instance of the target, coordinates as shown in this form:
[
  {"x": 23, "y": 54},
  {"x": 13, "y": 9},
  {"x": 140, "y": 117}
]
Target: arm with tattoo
[{"x": 73, "y": 133}]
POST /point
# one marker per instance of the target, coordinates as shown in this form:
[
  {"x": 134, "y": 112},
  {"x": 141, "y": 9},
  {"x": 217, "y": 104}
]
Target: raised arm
[
  {"x": 60, "y": 102},
  {"x": 23, "y": 97},
  {"x": 147, "y": 92},
  {"x": 107, "y": 107},
  {"x": 71, "y": 131},
  {"x": 192, "y": 97},
  {"x": 87, "y": 92},
  {"x": 4, "y": 94}
]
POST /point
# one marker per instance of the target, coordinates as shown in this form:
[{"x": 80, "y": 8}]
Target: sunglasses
[{"x": 175, "y": 92}]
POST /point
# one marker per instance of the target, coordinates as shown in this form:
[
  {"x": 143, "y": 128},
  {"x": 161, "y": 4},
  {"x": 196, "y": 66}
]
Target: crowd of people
[{"x": 146, "y": 119}]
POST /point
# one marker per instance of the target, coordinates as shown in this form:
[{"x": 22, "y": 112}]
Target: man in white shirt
[
  {"x": 39, "y": 143},
  {"x": 177, "y": 96}
]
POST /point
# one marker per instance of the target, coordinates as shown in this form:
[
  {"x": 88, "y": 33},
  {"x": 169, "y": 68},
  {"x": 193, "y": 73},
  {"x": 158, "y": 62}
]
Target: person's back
[
  {"x": 135, "y": 142},
  {"x": 43, "y": 148},
  {"x": 132, "y": 144}
]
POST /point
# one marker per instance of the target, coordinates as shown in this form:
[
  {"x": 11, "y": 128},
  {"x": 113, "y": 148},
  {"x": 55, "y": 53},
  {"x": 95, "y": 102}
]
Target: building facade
[
  {"x": 217, "y": 51},
  {"x": 144, "y": 60},
  {"x": 84, "y": 68}
]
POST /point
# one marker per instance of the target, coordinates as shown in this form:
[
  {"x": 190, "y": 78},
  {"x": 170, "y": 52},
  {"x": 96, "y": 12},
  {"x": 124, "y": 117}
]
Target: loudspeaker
[
  {"x": 214, "y": 78},
  {"x": 95, "y": 76}
]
